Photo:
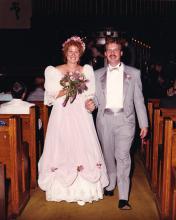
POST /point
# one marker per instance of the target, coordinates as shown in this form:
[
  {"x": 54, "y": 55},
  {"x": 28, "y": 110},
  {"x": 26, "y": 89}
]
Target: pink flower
[
  {"x": 75, "y": 38},
  {"x": 80, "y": 168},
  {"x": 99, "y": 165},
  {"x": 127, "y": 76},
  {"x": 74, "y": 83},
  {"x": 70, "y": 73},
  {"x": 81, "y": 78}
]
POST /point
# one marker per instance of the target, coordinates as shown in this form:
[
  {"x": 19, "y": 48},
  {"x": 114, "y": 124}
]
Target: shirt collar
[
  {"x": 118, "y": 67},
  {"x": 16, "y": 100}
]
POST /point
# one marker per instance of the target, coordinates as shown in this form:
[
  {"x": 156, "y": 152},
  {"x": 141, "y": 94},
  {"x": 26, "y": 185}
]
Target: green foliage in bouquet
[{"x": 74, "y": 83}]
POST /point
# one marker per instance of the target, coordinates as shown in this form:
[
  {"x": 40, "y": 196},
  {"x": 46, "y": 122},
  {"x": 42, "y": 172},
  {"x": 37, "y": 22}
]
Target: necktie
[{"x": 114, "y": 68}]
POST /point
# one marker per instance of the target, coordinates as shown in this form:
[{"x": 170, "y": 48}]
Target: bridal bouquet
[{"x": 74, "y": 83}]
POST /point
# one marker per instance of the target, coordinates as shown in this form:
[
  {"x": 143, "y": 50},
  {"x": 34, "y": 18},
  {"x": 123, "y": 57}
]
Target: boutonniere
[{"x": 127, "y": 76}]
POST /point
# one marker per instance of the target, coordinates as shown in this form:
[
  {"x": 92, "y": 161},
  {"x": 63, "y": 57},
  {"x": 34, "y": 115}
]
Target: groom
[{"x": 118, "y": 96}]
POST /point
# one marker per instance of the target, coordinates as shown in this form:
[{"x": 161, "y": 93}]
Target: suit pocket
[{"x": 130, "y": 118}]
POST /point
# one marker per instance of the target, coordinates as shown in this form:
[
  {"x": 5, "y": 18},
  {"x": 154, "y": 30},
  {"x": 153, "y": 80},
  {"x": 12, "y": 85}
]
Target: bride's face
[{"x": 73, "y": 54}]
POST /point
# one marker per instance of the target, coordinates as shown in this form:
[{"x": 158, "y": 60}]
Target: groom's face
[{"x": 113, "y": 53}]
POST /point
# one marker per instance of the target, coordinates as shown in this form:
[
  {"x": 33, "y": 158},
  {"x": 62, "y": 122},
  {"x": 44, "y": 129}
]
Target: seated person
[
  {"x": 170, "y": 100},
  {"x": 5, "y": 96},
  {"x": 38, "y": 93},
  {"x": 16, "y": 105},
  {"x": 157, "y": 81}
]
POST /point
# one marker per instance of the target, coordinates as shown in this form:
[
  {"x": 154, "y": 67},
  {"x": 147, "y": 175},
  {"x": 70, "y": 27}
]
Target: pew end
[{"x": 14, "y": 155}]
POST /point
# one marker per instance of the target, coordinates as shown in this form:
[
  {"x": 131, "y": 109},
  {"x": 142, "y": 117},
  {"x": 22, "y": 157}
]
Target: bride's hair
[{"x": 73, "y": 41}]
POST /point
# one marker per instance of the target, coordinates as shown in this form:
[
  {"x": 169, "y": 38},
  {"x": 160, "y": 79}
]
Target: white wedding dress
[{"x": 71, "y": 167}]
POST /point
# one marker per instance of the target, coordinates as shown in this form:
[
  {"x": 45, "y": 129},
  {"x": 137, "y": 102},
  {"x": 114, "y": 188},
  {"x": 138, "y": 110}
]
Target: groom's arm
[{"x": 139, "y": 105}]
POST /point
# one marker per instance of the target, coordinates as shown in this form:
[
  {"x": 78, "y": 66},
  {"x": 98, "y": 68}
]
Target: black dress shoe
[
  {"x": 108, "y": 193},
  {"x": 124, "y": 205}
]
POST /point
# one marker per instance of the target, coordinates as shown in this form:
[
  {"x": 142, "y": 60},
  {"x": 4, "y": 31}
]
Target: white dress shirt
[
  {"x": 114, "y": 87},
  {"x": 15, "y": 106}
]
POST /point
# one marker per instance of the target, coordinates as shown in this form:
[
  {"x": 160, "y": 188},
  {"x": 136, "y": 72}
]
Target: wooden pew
[
  {"x": 29, "y": 133},
  {"x": 173, "y": 194},
  {"x": 152, "y": 103},
  {"x": 157, "y": 148},
  {"x": 2, "y": 193},
  {"x": 165, "y": 164},
  {"x": 146, "y": 145},
  {"x": 43, "y": 114},
  {"x": 162, "y": 157},
  {"x": 15, "y": 155},
  {"x": 166, "y": 181}
]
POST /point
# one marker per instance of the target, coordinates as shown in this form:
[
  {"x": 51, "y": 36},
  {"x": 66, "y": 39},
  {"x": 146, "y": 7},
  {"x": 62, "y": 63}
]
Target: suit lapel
[
  {"x": 126, "y": 80},
  {"x": 103, "y": 81}
]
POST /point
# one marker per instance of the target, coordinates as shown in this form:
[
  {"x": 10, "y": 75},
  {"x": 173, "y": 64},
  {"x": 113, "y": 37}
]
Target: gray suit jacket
[{"x": 132, "y": 93}]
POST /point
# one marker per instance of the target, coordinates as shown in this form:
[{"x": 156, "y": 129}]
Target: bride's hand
[
  {"x": 62, "y": 93},
  {"x": 89, "y": 105}
]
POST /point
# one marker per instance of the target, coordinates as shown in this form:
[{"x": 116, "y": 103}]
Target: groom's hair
[{"x": 110, "y": 40}]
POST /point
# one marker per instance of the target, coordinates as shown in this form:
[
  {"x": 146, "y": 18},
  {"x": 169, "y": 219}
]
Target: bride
[{"x": 72, "y": 167}]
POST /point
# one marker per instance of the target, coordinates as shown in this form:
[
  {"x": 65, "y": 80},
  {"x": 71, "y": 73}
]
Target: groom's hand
[
  {"x": 143, "y": 132},
  {"x": 90, "y": 105}
]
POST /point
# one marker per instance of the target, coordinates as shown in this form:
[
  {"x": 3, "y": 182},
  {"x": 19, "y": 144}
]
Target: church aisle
[{"x": 141, "y": 199}]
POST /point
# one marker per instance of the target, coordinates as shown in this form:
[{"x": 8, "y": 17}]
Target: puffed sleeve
[
  {"x": 52, "y": 85},
  {"x": 89, "y": 73}
]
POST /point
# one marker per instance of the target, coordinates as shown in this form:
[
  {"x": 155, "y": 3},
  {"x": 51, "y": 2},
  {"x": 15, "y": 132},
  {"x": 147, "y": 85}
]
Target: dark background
[{"x": 29, "y": 51}]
